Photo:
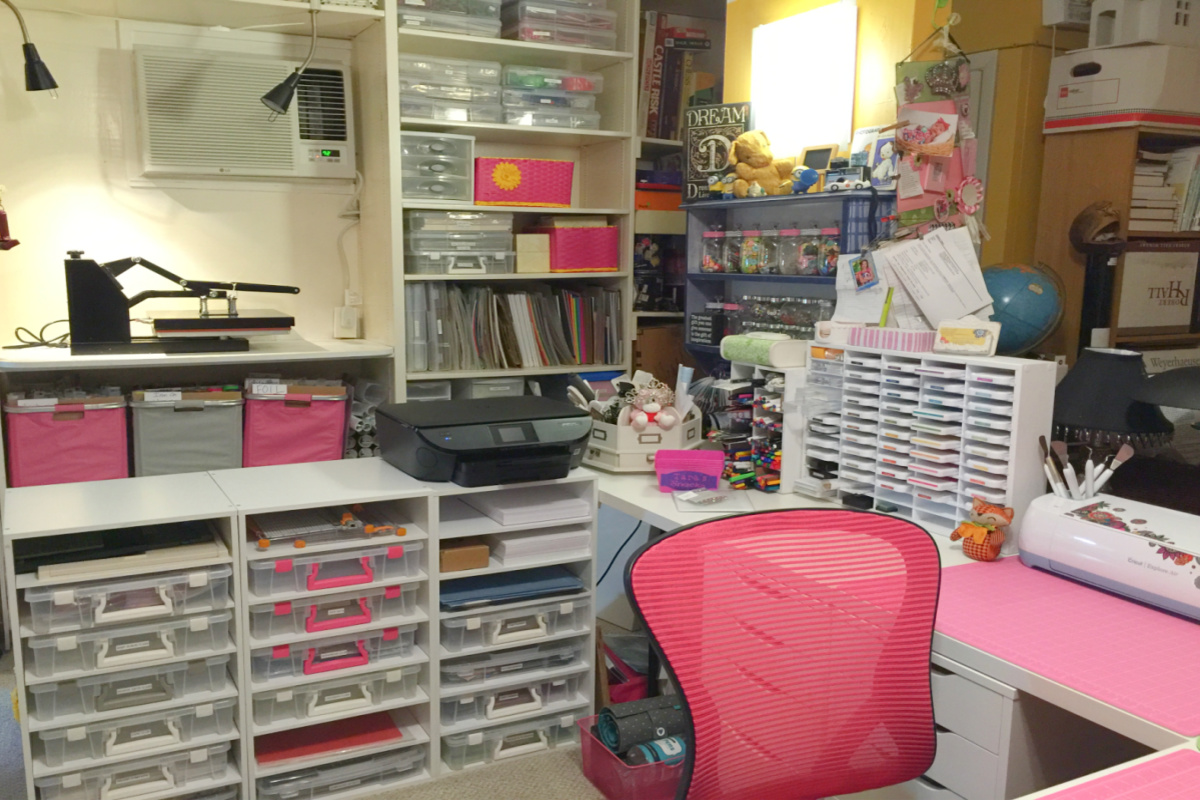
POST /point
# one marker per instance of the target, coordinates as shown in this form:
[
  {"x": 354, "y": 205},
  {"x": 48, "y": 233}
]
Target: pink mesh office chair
[{"x": 800, "y": 643}]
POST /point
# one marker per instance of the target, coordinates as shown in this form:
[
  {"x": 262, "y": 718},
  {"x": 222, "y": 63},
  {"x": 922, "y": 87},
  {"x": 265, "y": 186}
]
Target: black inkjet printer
[{"x": 484, "y": 442}]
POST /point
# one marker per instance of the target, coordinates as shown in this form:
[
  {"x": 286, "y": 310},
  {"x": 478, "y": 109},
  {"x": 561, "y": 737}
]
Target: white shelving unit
[{"x": 921, "y": 434}]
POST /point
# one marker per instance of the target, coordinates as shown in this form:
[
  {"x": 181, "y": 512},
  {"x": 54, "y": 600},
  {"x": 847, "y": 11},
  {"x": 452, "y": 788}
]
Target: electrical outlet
[{"x": 347, "y": 323}]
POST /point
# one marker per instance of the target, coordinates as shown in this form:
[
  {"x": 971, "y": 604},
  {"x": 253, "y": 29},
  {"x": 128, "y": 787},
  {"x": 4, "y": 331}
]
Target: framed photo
[
  {"x": 818, "y": 157},
  {"x": 884, "y": 163}
]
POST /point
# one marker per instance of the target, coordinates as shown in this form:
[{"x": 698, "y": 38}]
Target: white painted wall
[{"x": 64, "y": 165}]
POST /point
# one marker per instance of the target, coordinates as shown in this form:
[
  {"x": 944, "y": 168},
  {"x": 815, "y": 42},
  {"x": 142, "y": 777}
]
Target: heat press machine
[
  {"x": 484, "y": 442},
  {"x": 99, "y": 312}
]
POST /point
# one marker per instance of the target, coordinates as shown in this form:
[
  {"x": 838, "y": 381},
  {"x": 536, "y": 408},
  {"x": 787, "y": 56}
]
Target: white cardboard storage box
[
  {"x": 1118, "y": 87},
  {"x": 619, "y": 448}
]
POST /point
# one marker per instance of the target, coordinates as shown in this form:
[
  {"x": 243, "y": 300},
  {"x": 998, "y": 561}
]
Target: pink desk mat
[
  {"x": 1173, "y": 777},
  {"x": 1130, "y": 656}
]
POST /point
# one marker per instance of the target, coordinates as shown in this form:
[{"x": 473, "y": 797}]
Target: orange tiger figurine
[{"x": 984, "y": 534}]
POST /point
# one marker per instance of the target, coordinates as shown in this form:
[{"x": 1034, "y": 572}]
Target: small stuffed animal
[
  {"x": 804, "y": 179},
  {"x": 716, "y": 185},
  {"x": 751, "y": 157},
  {"x": 983, "y": 536},
  {"x": 756, "y": 190}
]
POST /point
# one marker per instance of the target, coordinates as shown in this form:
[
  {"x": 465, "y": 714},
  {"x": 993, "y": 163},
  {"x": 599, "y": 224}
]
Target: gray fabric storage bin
[{"x": 194, "y": 433}]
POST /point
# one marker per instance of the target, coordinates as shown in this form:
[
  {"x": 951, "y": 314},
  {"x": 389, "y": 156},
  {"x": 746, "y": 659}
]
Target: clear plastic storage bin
[
  {"x": 426, "y": 240},
  {"x": 546, "y": 78},
  {"x": 459, "y": 221},
  {"x": 435, "y": 166},
  {"x": 332, "y": 654},
  {"x": 478, "y": 670},
  {"x": 476, "y": 93},
  {"x": 488, "y": 27},
  {"x": 436, "y": 187},
  {"x": 343, "y": 776},
  {"x": 557, "y": 33},
  {"x": 513, "y": 626},
  {"x": 394, "y": 562},
  {"x": 589, "y": 120},
  {"x": 129, "y": 690},
  {"x": 460, "y": 750},
  {"x": 316, "y": 700},
  {"x": 460, "y": 262},
  {"x": 428, "y": 391},
  {"x": 450, "y": 70},
  {"x": 549, "y": 98},
  {"x": 135, "y": 778},
  {"x": 510, "y": 701},
  {"x": 450, "y": 110},
  {"x": 541, "y": 12},
  {"x": 446, "y": 145},
  {"x": 329, "y": 613},
  {"x": 85, "y": 605},
  {"x": 471, "y": 8},
  {"x": 130, "y": 645},
  {"x": 159, "y": 731}
]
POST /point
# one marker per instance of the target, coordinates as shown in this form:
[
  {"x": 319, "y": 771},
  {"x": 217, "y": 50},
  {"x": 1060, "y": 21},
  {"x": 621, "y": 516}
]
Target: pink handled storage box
[
  {"x": 66, "y": 441},
  {"x": 298, "y": 424},
  {"x": 584, "y": 249},
  {"x": 683, "y": 470},
  {"x": 523, "y": 182}
]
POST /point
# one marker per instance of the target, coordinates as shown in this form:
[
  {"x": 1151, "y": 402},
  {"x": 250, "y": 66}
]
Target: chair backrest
[{"x": 800, "y": 643}]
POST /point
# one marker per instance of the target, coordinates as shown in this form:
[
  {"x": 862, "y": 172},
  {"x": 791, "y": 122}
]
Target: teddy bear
[{"x": 751, "y": 157}]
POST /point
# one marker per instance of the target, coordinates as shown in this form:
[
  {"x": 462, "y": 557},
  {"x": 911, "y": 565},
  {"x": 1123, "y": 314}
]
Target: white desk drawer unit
[
  {"x": 967, "y": 708},
  {"x": 964, "y": 767}
]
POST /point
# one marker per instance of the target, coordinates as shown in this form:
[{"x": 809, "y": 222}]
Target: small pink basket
[
  {"x": 293, "y": 429},
  {"x": 584, "y": 249},
  {"x": 683, "y": 470},
  {"x": 617, "y": 780},
  {"x": 523, "y": 182},
  {"x": 67, "y": 443}
]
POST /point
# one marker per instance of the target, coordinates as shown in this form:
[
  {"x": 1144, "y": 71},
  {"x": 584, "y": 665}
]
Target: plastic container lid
[
  {"x": 714, "y": 234},
  {"x": 789, "y": 232},
  {"x": 752, "y": 233}
]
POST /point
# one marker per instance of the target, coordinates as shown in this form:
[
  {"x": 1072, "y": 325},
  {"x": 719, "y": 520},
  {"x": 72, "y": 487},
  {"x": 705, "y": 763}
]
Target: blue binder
[{"x": 508, "y": 587}]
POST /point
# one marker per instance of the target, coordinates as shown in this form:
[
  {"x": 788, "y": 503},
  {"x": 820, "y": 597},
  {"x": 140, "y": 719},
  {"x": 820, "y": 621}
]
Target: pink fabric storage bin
[
  {"x": 523, "y": 182},
  {"x": 66, "y": 443},
  {"x": 584, "y": 249},
  {"x": 617, "y": 780},
  {"x": 293, "y": 429}
]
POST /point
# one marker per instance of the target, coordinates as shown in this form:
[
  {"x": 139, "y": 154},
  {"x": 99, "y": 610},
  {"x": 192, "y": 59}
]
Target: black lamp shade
[
  {"x": 279, "y": 98},
  {"x": 37, "y": 74},
  {"x": 1178, "y": 388},
  {"x": 1096, "y": 402}
]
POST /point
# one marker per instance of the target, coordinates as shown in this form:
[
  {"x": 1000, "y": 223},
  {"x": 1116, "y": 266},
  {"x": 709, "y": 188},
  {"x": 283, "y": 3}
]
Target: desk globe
[{"x": 1029, "y": 304}]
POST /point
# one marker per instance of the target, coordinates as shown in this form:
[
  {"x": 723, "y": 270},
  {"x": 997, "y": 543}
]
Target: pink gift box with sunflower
[{"x": 523, "y": 182}]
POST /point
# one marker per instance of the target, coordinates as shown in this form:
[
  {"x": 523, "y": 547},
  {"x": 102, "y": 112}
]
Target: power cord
[
  {"x": 28, "y": 338},
  {"x": 617, "y": 554}
]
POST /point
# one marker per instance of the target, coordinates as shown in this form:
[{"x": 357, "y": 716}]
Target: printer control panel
[{"x": 513, "y": 433}]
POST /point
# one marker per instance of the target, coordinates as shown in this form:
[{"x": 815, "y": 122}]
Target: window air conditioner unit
[{"x": 200, "y": 116}]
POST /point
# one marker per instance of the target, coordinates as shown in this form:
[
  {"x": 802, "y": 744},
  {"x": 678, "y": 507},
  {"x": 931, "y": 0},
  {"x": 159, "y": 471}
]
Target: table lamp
[{"x": 1099, "y": 403}]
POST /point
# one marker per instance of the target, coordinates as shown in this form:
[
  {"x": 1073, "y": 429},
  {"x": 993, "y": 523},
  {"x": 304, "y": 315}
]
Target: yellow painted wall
[{"x": 887, "y": 32}]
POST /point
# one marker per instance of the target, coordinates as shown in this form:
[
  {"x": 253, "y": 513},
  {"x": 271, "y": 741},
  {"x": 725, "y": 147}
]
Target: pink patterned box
[
  {"x": 523, "y": 182},
  {"x": 297, "y": 425},
  {"x": 584, "y": 249},
  {"x": 893, "y": 339},
  {"x": 66, "y": 441}
]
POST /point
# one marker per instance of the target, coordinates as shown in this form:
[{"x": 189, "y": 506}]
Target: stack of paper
[
  {"x": 1160, "y": 181},
  {"x": 468, "y": 327},
  {"x": 529, "y": 506},
  {"x": 935, "y": 279},
  {"x": 517, "y": 547}
]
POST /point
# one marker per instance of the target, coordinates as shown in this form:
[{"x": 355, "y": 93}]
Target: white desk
[{"x": 638, "y": 496}]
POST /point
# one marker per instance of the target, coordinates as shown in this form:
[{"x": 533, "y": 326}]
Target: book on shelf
[
  {"x": 676, "y": 47},
  {"x": 1172, "y": 202},
  {"x": 1138, "y": 213},
  {"x": 1152, "y": 226},
  {"x": 477, "y": 327},
  {"x": 1144, "y": 168},
  {"x": 1150, "y": 180},
  {"x": 1147, "y": 155},
  {"x": 1153, "y": 192}
]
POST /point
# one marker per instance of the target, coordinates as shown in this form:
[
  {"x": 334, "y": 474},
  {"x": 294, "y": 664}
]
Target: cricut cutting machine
[
  {"x": 1142, "y": 551},
  {"x": 484, "y": 442}
]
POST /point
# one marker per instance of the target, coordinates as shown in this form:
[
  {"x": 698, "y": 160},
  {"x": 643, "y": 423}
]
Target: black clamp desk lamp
[{"x": 99, "y": 312}]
